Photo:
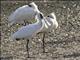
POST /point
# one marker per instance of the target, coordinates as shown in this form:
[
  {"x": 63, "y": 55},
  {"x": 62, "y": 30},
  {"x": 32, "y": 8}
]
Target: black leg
[
  {"x": 27, "y": 48},
  {"x": 28, "y": 56},
  {"x": 43, "y": 42}
]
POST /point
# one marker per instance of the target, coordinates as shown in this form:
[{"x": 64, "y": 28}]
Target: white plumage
[
  {"x": 50, "y": 22},
  {"x": 26, "y": 12},
  {"x": 31, "y": 29},
  {"x": 50, "y": 25},
  {"x": 43, "y": 24}
]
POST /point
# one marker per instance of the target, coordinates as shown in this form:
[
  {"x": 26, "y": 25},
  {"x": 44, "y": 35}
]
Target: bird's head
[
  {"x": 53, "y": 18},
  {"x": 41, "y": 15},
  {"x": 33, "y": 5},
  {"x": 52, "y": 15}
]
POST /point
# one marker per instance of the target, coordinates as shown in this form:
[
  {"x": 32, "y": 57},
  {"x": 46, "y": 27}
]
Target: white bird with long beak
[
  {"x": 51, "y": 23},
  {"x": 30, "y": 30},
  {"x": 24, "y": 13}
]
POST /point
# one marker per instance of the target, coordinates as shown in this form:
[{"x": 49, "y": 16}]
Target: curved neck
[{"x": 39, "y": 19}]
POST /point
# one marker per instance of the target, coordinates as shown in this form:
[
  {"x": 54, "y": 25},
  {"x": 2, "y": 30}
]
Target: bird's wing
[{"x": 21, "y": 13}]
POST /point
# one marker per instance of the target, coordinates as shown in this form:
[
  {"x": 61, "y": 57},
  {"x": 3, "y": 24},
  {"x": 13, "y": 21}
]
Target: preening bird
[
  {"x": 50, "y": 22},
  {"x": 24, "y": 13},
  {"x": 50, "y": 25},
  {"x": 30, "y": 30}
]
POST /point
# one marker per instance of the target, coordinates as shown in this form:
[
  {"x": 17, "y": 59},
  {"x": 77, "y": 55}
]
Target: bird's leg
[
  {"x": 27, "y": 48},
  {"x": 43, "y": 43}
]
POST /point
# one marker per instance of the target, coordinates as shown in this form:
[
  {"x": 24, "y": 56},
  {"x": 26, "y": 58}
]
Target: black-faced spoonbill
[{"x": 24, "y": 13}]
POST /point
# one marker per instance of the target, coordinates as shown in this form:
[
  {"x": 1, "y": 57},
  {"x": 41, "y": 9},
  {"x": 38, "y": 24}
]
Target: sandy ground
[{"x": 63, "y": 44}]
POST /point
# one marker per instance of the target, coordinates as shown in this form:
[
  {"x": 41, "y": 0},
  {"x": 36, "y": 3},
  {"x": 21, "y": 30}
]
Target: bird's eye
[
  {"x": 29, "y": 5},
  {"x": 50, "y": 16}
]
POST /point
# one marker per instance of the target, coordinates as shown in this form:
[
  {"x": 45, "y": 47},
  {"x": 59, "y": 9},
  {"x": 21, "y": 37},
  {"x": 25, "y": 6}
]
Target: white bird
[
  {"x": 50, "y": 25},
  {"x": 30, "y": 30},
  {"x": 24, "y": 13}
]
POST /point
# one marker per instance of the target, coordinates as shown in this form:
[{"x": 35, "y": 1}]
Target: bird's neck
[
  {"x": 39, "y": 20},
  {"x": 37, "y": 10}
]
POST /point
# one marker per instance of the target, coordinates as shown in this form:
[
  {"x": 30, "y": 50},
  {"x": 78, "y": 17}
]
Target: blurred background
[{"x": 63, "y": 44}]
